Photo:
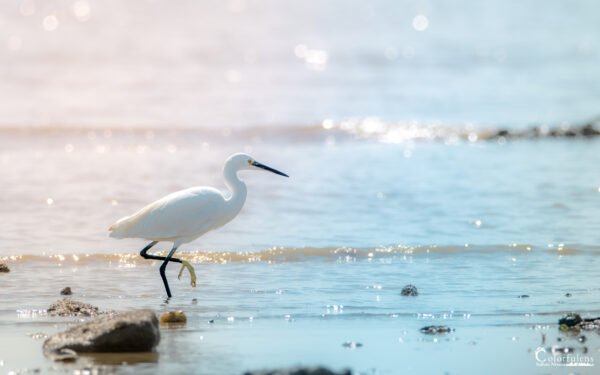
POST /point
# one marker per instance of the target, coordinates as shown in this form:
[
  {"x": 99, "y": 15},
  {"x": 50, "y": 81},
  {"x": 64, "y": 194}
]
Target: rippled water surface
[
  {"x": 281, "y": 311},
  {"x": 62, "y": 191}
]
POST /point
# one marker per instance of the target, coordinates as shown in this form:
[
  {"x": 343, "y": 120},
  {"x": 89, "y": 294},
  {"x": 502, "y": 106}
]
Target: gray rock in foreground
[
  {"x": 134, "y": 331},
  {"x": 299, "y": 371},
  {"x": 69, "y": 307}
]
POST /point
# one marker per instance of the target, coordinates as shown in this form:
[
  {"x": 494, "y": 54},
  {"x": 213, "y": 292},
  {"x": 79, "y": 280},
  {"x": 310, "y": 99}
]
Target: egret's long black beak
[{"x": 266, "y": 168}]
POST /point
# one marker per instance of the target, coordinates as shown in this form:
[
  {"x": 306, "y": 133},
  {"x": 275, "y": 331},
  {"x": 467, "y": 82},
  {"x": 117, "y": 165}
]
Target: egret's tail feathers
[{"x": 119, "y": 229}]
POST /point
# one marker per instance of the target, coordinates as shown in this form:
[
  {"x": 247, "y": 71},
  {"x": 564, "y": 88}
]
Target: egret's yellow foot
[{"x": 185, "y": 264}]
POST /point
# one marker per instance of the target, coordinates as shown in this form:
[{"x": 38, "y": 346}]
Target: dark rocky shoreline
[{"x": 589, "y": 130}]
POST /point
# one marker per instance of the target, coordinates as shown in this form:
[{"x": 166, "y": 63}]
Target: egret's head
[{"x": 245, "y": 161}]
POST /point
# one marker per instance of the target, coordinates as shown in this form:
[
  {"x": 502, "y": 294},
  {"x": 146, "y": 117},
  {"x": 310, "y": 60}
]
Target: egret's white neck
[{"x": 237, "y": 187}]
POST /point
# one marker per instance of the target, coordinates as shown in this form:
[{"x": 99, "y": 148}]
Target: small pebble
[
  {"x": 173, "y": 317},
  {"x": 4, "y": 268},
  {"x": 523, "y": 296},
  {"x": 568, "y": 295},
  {"x": 570, "y": 320},
  {"x": 582, "y": 339},
  {"x": 211, "y": 321},
  {"x": 66, "y": 291},
  {"x": 435, "y": 330},
  {"x": 352, "y": 344},
  {"x": 410, "y": 291}
]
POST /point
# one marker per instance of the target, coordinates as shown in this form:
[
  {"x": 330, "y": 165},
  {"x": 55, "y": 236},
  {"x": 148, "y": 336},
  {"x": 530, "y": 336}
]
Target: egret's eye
[{"x": 250, "y": 161}]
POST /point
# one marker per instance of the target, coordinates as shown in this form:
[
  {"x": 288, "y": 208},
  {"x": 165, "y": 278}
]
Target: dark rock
[
  {"x": 523, "y": 296},
  {"x": 589, "y": 131},
  {"x": 4, "y": 268},
  {"x": 134, "y": 331},
  {"x": 211, "y": 321},
  {"x": 582, "y": 339},
  {"x": 568, "y": 295},
  {"x": 352, "y": 344},
  {"x": 300, "y": 371},
  {"x": 66, "y": 291},
  {"x": 570, "y": 133},
  {"x": 502, "y": 133},
  {"x": 570, "y": 320},
  {"x": 409, "y": 290},
  {"x": 436, "y": 330},
  {"x": 69, "y": 307}
]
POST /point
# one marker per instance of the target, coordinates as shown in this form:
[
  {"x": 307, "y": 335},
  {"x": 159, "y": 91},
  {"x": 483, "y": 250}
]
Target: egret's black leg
[
  {"x": 163, "y": 267},
  {"x": 145, "y": 255},
  {"x": 167, "y": 259},
  {"x": 145, "y": 250}
]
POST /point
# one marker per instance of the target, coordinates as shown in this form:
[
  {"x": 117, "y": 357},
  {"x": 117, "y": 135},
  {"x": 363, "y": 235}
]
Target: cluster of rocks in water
[
  {"x": 411, "y": 291},
  {"x": 572, "y": 326},
  {"x": 134, "y": 331},
  {"x": 129, "y": 332},
  {"x": 4, "y": 268},
  {"x": 588, "y": 130},
  {"x": 138, "y": 331},
  {"x": 574, "y": 323}
]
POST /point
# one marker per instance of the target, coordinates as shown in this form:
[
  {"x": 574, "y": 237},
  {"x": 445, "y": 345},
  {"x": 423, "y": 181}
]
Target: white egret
[{"x": 183, "y": 216}]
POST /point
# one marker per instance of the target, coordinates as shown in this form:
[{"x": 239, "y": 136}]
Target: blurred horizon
[{"x": 237, "y": 63}]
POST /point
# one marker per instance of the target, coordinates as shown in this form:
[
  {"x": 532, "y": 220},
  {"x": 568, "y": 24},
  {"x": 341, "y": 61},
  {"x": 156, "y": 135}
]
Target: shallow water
[{"x": 282, "y": 311}]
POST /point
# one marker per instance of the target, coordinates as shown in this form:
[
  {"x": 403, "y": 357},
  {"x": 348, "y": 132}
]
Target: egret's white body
[{"x": 183, "y": 216}]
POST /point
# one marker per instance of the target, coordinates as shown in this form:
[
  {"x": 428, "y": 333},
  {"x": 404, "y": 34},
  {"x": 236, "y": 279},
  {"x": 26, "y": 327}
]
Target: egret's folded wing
[{"x": 177, "y": 215}]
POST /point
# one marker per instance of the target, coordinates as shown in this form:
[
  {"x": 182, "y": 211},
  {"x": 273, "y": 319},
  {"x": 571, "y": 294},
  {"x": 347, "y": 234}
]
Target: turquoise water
[
  {"x": 62, "y": 192},
  {"x": 287, "y": 310}
]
